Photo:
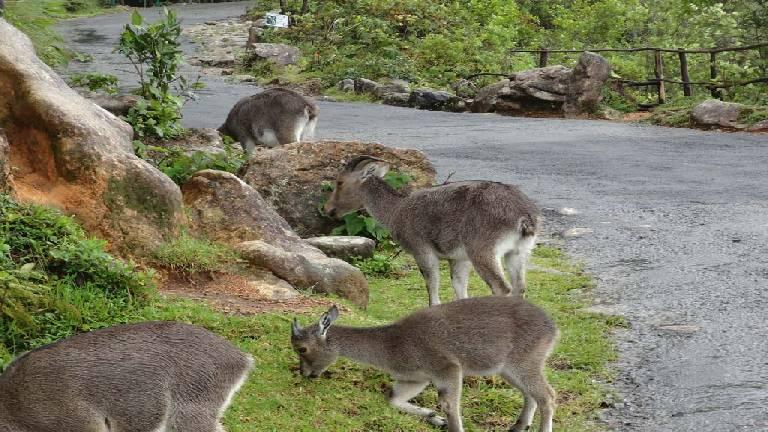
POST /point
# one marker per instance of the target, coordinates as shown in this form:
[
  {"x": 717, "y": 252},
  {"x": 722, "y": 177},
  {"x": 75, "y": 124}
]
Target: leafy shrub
[
  {"x": 95, "y": 81},
  {"x": 154, "y": 50},
  {"x": 190, "y": 255},
  {"x": 180, "y": 166},
  {"x": 360, "y": 223},
  {"x": 55, "y": 281},
  {"x": 377, "y": 265}
]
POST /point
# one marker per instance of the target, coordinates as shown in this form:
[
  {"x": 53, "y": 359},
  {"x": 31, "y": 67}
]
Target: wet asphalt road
[{"x": 679, "y": 220}]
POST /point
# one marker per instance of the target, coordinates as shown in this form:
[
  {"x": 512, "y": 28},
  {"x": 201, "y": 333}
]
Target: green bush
[
  {"x": 190, "y": 255},
  {"x": 360, "y": 223},
  {"x": 95, "y": 81},
  {"x": 180, "y": 166},
  {"x": 55, "y": 281},
  {"x": 154, "y": 51}
]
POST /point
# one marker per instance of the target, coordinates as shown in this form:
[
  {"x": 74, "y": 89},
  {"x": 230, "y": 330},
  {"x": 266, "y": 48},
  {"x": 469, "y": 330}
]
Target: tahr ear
[
  {"x": 378, "y": 169},
  {"x": 295, "y": 328},
  {"x": 327, "y": 319}
]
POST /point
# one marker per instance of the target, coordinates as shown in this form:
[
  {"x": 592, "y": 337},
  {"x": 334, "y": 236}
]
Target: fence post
[
  {"x": 659, "y": 71},
  {"x": 714, "y": 91},
  {"x": 543, "y": 57},
  {"x": 684, "y": 72}
]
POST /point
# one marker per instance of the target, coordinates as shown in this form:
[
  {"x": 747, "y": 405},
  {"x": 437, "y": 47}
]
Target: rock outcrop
[
  {"x": 118, "y": 105},
  {"x": 223, "y": 208},
  {"x": 279, "y": 54},
  {"x": 5, "y": 164},
  {"x": 553, "y": 88},
  {"x": 713, "y": 112},
  {"x": 433, "y": 100},
  {"x": 291, "y": 177},
  {"x": 344, "y": 247},
  {"x": 585, "y": 84},
  {"x": 69, "y": 153}
]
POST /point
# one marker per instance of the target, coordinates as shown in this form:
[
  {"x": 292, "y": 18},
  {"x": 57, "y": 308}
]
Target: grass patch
[
  {"x": 354, "y": 398},
  {"x": 753, "y": 114},
  {"x": 676, "y": 113},
  {"x": 345, "y": 96},
  {"x": 66, "y": 283},
  {"x": 191, "y": 255},
  {"x": 36, "y": 17}
]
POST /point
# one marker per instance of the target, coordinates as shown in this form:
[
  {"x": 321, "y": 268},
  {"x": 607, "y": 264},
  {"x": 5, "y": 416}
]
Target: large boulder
[
  {"x": 291, "y": 177},
  {"x": 223, "y": 208},
  {"x": 69, "y": 153},
  {"x": 552, "y": 88},
  {"x": 364, "y": 85},
  {"x": 5, "y": 164},
  {"x": 279, "y": 54},
  {"x": 434, "y": 100},
  {"x": 193, "y": 140},
  {"x": 344, "y": 247},
  {"x": 118, "y": 105},
  {"x": 585, "y": 87},
  {"x": 390, "y": 86},
  {"x": 713, "y": 112}
]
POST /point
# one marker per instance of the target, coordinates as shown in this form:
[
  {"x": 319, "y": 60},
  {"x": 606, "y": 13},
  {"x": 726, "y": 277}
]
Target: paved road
[{"x": 679, "y": 220}]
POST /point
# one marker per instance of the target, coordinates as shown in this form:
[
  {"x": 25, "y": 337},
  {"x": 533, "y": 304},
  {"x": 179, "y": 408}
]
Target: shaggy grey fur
[
  {"x": 152, "y": 376},
  {"x": 481, "y": 336},
  {"x": 273, "y": 117},
  {"x": 471, "y": 224}
]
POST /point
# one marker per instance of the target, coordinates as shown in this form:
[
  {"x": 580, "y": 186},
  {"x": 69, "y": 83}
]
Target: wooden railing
[{"x": 660, "y": 79}]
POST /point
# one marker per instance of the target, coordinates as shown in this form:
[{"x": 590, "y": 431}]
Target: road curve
[{"x": 679, "y": 222}]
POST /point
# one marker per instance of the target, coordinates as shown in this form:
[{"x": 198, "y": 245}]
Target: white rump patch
[
  {"x": 268, "y": 138},
  {"x": 309, "y": 130},
  {"x": 236, "y": 387}
]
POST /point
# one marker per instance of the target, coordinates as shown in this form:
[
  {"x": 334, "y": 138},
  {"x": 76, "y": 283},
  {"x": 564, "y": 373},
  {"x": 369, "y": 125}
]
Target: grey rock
[
  {"x": 567, "y": 211},
  {"x": 347, "y": 85},
  {"x": 84, "y": 159},
  {"x": 225, "y": 209},
  {"x": 609, "y": 113},
  {"x": 553, "y": 88},
  {"x": 761, "y": 126},
  {"x": 344, "y": 247},
  {"x": 681, "y": 329},
  {"x": 713, "y": 112},
  {"x": 363, "y": 85},
  {"x": 310, "y": 273},
  {"x": 585, "y": 86},
  {"x": 5, "y": 164},
  {"x": 397, "y": 99},
  {"x": 279, "y": 54},
  {"x": 206, "y": 140},
  {"x": 118, "y": 105},
  {"x": 391, "y": 86},
  {"x": 433, "y": 100},
  {"x": 290, "y": 177},
  {"x": 576, "y": 232}
]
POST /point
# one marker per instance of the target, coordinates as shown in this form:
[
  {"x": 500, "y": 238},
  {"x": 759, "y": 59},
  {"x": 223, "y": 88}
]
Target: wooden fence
[{"x": 660, "y": 79}]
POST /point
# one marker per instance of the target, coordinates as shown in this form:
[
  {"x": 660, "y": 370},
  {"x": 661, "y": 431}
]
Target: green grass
[
  {"x": 54, "y": 281},
  {"x": 678, "y": 113},
  {"x": 344, "y": 96},
  {"x": 36, "y": 17},
  {"x": 275, "y": 398},
  {"x": 189, "y": 254}
]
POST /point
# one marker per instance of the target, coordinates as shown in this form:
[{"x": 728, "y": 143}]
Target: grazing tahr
[
  {"x": 480, "y": 336},
  {"x": 271, "y": 118},
  {"x": 470, "y": 223},
  {"x": 148, "y": 377}
]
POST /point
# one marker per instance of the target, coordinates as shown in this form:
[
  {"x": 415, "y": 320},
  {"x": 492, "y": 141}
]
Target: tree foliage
[{"x": 435, "y": 42}]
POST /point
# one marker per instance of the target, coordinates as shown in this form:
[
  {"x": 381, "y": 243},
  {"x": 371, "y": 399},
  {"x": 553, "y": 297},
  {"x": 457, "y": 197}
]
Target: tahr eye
[{"x": 302, "y": 350}]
